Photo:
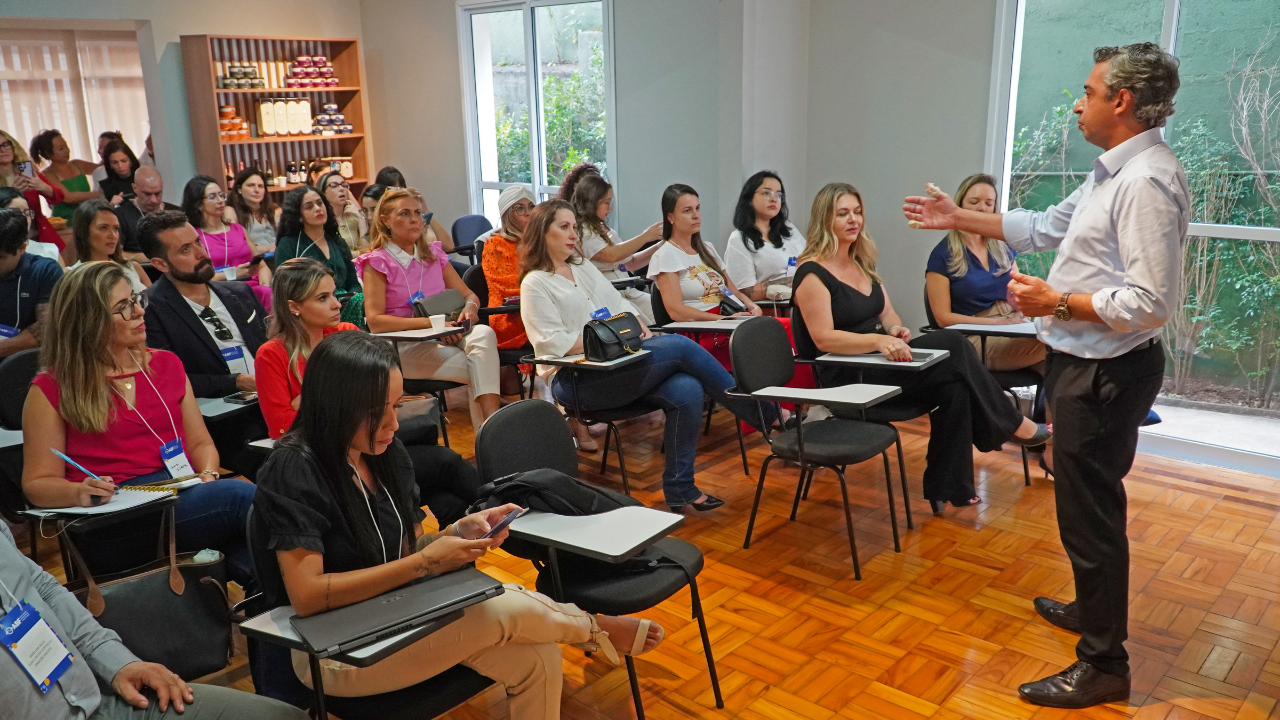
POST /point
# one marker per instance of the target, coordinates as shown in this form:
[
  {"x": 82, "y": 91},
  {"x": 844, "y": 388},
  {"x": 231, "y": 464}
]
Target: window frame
[
  {"x": 1006, "y": 60},
  {"x": 466, "y": 49}
]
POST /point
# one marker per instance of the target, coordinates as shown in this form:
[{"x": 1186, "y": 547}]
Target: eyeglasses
[
  {"x": 136, "y": 302},
  {"x": 771, "y": 195},
  {"x": 31, "y": 214},
  {"x": 6, "y": 145},
  {"x": 406, "y": 399},
  {"x": 215, "y": 196},
  {"x": 220, "y": 331},
  {"x": 337, "y": 184}
]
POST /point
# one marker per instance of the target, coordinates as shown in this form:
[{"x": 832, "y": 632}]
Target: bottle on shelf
[{"x": 268, "y": 178}]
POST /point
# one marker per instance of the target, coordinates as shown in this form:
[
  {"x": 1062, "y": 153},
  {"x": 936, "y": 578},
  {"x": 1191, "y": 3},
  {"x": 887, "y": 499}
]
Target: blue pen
[{"x": 94, "y": 499}]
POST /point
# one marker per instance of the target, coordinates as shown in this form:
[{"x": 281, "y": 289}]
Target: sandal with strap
[{"x": 600, "y": 640}]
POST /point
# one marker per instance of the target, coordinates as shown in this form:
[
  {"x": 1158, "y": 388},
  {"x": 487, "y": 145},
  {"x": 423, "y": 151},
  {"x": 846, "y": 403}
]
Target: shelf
[
  {"x": 287, "y": 188},
  {"x": 292, "y": 138},
  {"x": 273, "y": 91}
]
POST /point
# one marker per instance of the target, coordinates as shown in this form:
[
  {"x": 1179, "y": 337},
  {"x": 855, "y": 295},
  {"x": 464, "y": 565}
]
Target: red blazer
[{"x": 47, "y": 233}]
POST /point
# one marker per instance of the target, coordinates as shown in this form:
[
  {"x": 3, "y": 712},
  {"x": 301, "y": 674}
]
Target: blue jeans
[
  {"x": 674, "y": 376},
  {"x": 208, "y": 515}
]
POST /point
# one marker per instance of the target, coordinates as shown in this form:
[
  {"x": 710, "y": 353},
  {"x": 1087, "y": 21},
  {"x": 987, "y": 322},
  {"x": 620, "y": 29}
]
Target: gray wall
[
  {"x": 897, "y": 98},
  {"x": 161, "y": 22}
]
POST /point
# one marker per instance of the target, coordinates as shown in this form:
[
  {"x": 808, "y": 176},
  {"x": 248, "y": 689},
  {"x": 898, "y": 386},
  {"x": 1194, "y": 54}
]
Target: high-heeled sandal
[
  {"x": 939, "y": 505},
  {"x": 1043, "y": 466},
  {"x": 600, "y": 641}
]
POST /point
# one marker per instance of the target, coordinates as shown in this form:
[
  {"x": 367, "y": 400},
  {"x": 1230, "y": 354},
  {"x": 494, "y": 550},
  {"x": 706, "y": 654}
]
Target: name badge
[
  {"x": 416, "y": 297},
  {"x": 600, "y": 314},
  {"x": 175, "y": 459},
  {"x": 791, "y": 266},
  {"x": 35, "y": 646},
  {"x": 8, "y": 331},
  {"x": 235, "y": 359}
]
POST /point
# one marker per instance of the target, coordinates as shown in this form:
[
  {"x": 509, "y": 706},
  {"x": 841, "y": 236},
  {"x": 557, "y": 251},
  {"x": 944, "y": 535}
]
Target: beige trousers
[
  {"x": 511, "y": 638},
  {"x": 1009, "y": 353},
  {"x": 473, "y": 363}
]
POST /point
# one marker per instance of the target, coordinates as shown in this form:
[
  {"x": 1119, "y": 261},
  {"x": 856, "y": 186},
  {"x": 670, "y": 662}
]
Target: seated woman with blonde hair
[
  {"x": 967, "y": 280},
  {"x": 127, "y": 414},
  {"x": 845, "y": 310},
  {"x": 340, "y": 509}
]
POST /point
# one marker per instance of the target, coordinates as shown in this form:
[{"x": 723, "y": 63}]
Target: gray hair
[{"x": 1148, "y": 72}]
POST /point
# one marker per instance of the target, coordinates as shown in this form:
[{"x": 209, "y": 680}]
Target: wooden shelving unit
[{"x": 200, "y": 55}]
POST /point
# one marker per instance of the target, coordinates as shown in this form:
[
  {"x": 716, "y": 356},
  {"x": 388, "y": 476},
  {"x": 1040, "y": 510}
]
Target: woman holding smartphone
[{"x": 18, "y": 171}]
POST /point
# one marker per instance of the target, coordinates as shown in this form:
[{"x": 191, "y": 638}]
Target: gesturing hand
[
  {"x": 131, "y": 678},
  {"x": 1033, "y": 296},
  {"x": 935, "y": 212}
]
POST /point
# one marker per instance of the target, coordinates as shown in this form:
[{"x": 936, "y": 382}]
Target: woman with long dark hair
[
  {"x": 251, "y": 205},
  {"x": 309, "y": 228},
  {"x": 228, "y": 245},
  {"x": 764, "y": 245},
  {"x": 341, "y": 510},
  {"x": 96, "y": 231},
  {"x": 593, "y": 201},
  {"x": 121, "y": 164},
  {"x": 559, "y": 294}
]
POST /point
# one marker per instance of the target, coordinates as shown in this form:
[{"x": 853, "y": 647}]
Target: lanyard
[
  {"x": 365, "y": 494},
  {"x": 405, "y": 271},
  {"x": 17, "y": 304},
  {"x": 16, "y": 601},
  {"x": 323, "y": 259},
  {"x": 226, "y": 245},
  {"x": 158, "y": 395}
]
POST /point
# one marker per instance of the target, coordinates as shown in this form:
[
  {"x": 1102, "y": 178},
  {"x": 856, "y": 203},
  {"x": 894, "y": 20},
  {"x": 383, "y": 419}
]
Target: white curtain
[{"x": 81, "y": 83}]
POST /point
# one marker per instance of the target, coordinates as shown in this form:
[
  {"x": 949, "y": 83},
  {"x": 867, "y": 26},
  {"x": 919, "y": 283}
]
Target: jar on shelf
[
  {"x": 329, "y": 107},
  {"x": 304, "y": 116},
  {"x": 347, "y": 170},
  {"x": 267, "y": 118}
]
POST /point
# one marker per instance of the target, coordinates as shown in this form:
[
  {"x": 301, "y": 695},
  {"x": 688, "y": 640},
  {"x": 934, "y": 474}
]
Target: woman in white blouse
[
  {"x": 601, "y": 244},
  {"x": 764, "y": 245},
  {"x": 560, "y": 293}
]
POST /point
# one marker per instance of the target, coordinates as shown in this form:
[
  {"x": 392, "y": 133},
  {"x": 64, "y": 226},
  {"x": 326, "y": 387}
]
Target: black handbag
[
  {"x": 172, "y": 611},
  {"x": 447, "y": 302},
  {"x": 611, "y": 338},
  {"x": 729, "y": 304}
]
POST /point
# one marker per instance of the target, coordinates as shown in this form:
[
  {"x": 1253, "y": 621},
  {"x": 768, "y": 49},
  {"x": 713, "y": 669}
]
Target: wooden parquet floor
[{"x": 944, "y": 629}]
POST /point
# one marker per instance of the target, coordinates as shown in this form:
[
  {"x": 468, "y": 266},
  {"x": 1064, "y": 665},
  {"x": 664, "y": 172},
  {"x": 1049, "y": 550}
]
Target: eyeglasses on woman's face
[
  {"x": 6, "y": 146},
  {"x": 131, "y": 308},
  {"x": 771, "y": 195},
  {"x": 215, "y": 196}
]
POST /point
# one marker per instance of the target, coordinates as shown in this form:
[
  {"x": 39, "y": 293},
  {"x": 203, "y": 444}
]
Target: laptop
[{"x": 395, "y": 612}]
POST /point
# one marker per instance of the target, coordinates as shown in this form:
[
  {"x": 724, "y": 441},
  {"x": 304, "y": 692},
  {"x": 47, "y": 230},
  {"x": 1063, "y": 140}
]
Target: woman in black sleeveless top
[{"x": 844, "y": 310}]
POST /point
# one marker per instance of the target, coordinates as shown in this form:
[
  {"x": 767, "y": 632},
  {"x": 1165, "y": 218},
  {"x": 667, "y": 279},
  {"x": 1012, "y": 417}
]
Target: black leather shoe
[
  {"x": 1063, "y": 615},
  {"x": 711, "y": 503},
  {"x": 1079, "y": 686},
  {"x": 1042, "y": 435}
]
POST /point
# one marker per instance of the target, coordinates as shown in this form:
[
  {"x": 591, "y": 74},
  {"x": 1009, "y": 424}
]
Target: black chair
[
  {"x": 1007, "y": 379},
  {"x": 762, "y": 358},
  {"x": 436, "y": 389},
  {"x": 465, "y": 230},
  {"x": 475, "y": 281},
  {"x": 16, "y": 373},
  {"x": 430, "y": 698},
  {"x": 544, "y": 440}
]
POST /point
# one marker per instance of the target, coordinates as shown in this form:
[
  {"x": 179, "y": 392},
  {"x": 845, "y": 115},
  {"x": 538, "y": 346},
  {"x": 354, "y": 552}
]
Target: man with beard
[{"x": 215, "y": 328}]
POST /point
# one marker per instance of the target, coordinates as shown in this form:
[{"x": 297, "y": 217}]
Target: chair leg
[
  {"x": 808, "y": 484},
  {"x": 1026, "y": 469},
  {"x": 893, "y": 512},
  {"x": 635, "y": 687},
  {"x": 444, "y": 421},
  {"x": 848, "y": 522},
  {"x": 33, "y": 532},
  {"x": 751, "y": 523},
  {"x": 711, "y": 407},
  {"x": 622, "y": 462},
  {"x": 806, "y": 474},
  {"x": 706, "y": 641},
  {"x": 742, "y": 448},
  {"x": 604, "y": 452},
  {"x": 902, "y": 473}
]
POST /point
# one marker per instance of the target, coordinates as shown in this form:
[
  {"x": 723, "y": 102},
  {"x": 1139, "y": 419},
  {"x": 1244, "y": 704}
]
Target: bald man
[{"x": 148, "y": 199}]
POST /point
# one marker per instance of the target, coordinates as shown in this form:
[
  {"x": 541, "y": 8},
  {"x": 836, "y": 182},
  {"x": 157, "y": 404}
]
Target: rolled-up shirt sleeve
[
  {"x": 1031, "y": 231},
  {"x": 1148, "y": 216}
]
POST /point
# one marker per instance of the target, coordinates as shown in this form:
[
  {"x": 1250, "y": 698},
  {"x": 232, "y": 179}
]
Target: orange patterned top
[{"x": 502, "y": 271}]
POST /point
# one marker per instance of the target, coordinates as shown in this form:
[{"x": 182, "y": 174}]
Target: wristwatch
[{"x": 1063, "y": 310}]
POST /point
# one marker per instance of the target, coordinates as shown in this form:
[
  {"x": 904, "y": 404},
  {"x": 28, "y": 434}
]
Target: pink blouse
[
  {"x": 403, "y": 283},
  {"x": 129, "y": 448},
  {"x": 226, "y": 249}
]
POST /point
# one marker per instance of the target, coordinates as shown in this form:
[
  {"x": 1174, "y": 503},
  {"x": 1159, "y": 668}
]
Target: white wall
[
  {"x": 897, "y": 98},
  {"x": 161, "y": 23}
]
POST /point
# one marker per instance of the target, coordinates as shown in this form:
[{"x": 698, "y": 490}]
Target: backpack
[{"x": 552, "y": 491}]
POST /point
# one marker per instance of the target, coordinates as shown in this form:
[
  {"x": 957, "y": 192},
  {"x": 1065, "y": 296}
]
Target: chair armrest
[
  {"x": 579, "y": 362},
  {"x": 854, "y": 396},
  {"x": 612, "y": 537},
  {"x": 500, "y": 310}
]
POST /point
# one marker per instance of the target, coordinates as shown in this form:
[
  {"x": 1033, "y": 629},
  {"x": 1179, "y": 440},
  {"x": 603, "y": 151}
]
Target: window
[
  {"x": 81, "y": 83},
  {"x": 1223, "y": 345},
  {"x": 537, "y": 80}
]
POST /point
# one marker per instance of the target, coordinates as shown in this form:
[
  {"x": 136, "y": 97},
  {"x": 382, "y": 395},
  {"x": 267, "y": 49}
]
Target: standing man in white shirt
[{"x": 1114, "y": 284}]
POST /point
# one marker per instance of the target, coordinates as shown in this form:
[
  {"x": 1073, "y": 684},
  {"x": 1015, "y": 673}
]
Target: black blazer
[{"x": 172, "y": 325}]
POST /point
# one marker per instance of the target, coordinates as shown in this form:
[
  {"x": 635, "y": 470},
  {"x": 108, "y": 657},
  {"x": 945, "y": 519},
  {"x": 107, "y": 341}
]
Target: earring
[{"x": 296, "y": 314}]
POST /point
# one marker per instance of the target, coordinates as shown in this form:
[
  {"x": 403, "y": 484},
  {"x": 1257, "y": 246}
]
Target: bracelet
[
  {"x": 214, "y": 473},
  {"x": 473, "y": 302}
]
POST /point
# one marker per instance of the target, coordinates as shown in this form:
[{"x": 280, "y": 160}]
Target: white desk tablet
[
  {"x": 10, "y": 439},
  {"x": 579, "y": 361},
  {"x": 854, "y": 396},
  {"x": 275, "y": 626},
  {"x": 921, "y": 360},
  {"x": 612, "y": 536},
  {"x": 419, "y": 335},
  {"x": 727, "y": 325},
  {"x": 214, "y": 408}
]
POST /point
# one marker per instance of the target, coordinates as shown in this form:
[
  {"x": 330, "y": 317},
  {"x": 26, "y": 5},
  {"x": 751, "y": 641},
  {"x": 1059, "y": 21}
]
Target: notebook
[
  {"x": 123, "y": 500},
  {"x": 393, "y": 613}
]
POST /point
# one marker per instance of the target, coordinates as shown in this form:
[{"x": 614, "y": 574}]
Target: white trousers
[{"x": 474, "y": 363}]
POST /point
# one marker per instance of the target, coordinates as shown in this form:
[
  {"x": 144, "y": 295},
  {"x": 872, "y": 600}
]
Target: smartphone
[
  {"x": 465, "y": 324},
  {"x": 26, "y": 168},
  {"x": 244, "y": 397},
  {"x": 129, "y": 195},
  {"x": 257, "y": 258},
  {"x": 503, "y": 523}
]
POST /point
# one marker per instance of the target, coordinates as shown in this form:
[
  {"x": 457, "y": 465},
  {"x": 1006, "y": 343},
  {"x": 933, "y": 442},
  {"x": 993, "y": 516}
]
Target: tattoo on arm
[{"x": 427, "y": 565}]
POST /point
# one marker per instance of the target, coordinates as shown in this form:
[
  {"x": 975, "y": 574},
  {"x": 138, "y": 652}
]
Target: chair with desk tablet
[
  {"x": 475, "y": 281},
  {"x": 430, "y": 698},
  {"x": 763, "y": 364}
]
